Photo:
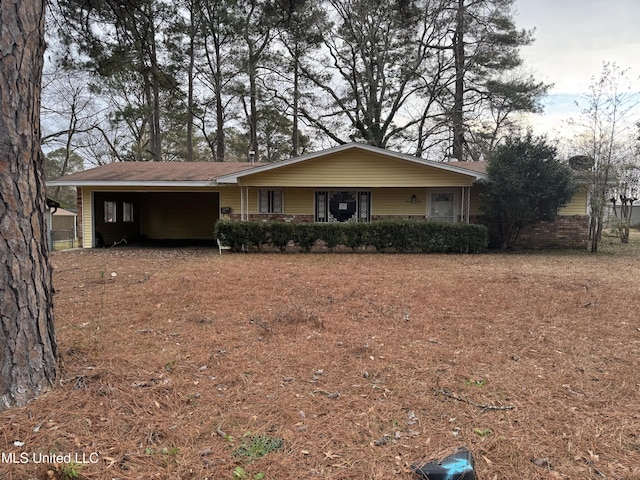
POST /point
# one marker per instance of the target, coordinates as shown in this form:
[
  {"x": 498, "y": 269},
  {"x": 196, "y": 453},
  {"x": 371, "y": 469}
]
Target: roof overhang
[{"x": 105, "y": 183}]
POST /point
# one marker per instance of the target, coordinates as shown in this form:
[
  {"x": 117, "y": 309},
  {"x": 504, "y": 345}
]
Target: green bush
[
  {"x": 305, "y": 235},
  {"x": 383, "y": 235},
  {"x": 278, "y": 234}
]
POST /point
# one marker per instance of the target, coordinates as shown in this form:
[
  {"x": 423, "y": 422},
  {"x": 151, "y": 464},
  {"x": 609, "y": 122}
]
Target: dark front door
[{"x": 342, "y": 206}]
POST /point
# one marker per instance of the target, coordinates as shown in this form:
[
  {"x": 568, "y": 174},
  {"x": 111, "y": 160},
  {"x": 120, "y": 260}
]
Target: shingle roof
[
  {"x": 61, "y": 212},
  {"x": 119, "y": 172}
]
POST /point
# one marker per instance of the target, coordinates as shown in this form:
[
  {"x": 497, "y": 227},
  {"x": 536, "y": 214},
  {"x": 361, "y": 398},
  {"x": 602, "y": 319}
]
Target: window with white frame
[
  {"x": 270, "y": 201},
  {"x": 110, "y": 208},
  {"x": 127, "y": 212}
]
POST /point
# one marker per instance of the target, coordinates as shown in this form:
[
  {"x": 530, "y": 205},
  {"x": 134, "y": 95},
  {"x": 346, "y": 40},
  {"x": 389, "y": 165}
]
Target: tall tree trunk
[
  {"x": 295, "y": 135},
  {"x": 27, "y": 340},
  {"x": 157, "y": 134},
  {"x": 156, "y": 139},
  {"x": 458, "y": 99},
  {"x": 220, "y": 141},
  {"x": 190, "y": 74},
  {"x": 253, "y": 110}
]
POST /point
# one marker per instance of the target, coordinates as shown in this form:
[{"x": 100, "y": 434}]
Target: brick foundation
[
  {"x": 397, "y": 217},
  {"x": 311, "y": 218},
  {"x": 256, "y": 217}
]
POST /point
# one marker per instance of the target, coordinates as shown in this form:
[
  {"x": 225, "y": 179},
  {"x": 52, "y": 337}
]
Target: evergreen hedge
[{"x": 383, "y": 235}]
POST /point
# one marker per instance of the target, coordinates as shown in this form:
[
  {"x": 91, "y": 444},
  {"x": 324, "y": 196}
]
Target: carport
[
  {"x": 152, "y": 201},
  {"x": 186, "y": 216}
]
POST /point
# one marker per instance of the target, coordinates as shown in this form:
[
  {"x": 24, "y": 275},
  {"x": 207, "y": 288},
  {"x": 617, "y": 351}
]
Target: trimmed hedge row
[{"x": 383, "y": 235}]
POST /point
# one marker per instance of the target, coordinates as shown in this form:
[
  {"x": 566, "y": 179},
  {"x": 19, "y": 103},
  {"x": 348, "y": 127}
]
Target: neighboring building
[
  {"x": 353, "y": 182},
  {"x": 61, "y": 227},
  {"x": 614, "y": 215},
  {"x": 64, "y": 233}
]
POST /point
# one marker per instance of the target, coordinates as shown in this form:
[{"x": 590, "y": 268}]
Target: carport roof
[{"x": 153, "y": 174}]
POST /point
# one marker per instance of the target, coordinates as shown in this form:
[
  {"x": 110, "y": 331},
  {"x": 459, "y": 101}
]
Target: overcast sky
[{"x": 572, "y": 40}]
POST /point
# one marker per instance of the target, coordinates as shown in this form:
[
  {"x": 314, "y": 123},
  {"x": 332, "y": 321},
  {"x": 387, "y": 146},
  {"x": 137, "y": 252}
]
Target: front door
[
  {"x": 342, "y": 206},
  {"x": 442, "y": 206}
]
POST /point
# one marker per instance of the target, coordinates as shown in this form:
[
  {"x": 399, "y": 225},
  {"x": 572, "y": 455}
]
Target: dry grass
[{"x": 362, "y": 363}]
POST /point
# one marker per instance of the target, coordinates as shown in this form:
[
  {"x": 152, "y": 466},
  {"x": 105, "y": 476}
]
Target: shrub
[
  {"x": 526, "y": 184},
  {"x": 384, "y": 235}
]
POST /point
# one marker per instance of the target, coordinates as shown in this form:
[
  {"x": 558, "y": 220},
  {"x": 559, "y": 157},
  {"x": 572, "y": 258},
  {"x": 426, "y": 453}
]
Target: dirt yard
[{"x": 183, "y": 364}]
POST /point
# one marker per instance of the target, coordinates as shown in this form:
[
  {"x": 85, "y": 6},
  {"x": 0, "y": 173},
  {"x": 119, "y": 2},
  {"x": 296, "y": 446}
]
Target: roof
[
  {"x": 61, "y": 212},
  {"x": 153, "y": 174},
  {"x": 205, "y": 174},
  {"x": 474, "y": 169}
]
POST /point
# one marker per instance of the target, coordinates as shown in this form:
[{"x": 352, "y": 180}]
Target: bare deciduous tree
[{"x": 606, "y": 139}]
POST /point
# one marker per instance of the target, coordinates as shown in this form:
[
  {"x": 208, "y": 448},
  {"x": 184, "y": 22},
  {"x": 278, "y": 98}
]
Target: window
[
  {"x": 127, "y": 212},
  {"x": 270, "y": 201},
  {"x": 110, "y": 212}
]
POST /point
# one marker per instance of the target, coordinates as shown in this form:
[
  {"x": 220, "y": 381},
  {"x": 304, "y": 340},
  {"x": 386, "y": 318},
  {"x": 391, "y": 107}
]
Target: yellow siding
[
  {"x": 578, "y": 204},
  {"x": 87, "y": 219},
  {"x": 356, "y": 169},
  {"x": 474, "y": 202},
  {"x": 397, "y": 201},
  {"x": 301, "y": 201},
  {"x": 230, "y": 197},
  {"x": 384, "y": 201},
  {"x": 298, "y": 201}
]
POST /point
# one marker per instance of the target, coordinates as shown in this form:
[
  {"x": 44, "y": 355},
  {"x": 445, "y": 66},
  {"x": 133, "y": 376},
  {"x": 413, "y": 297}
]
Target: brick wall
[
  {"x": 570, "y": 231},
  {"x": 397, "y": 217},
  {"x": 311, "y": 218},
  {"x": 256, "y": 217}
]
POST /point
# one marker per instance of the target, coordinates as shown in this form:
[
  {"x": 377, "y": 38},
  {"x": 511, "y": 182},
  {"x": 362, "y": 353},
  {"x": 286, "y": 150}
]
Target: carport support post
[
  {"x": 465, "y": 204},
  {"x": 244, "y": 203}
]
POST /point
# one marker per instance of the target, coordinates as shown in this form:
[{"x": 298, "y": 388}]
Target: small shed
[{"x": 62, "y": 228}]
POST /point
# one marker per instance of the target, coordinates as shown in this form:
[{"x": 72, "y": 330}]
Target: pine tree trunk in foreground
[{"x": 27, "y": 341}]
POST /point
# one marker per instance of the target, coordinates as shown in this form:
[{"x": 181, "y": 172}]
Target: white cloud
[{"x": 572, "y": 40}]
